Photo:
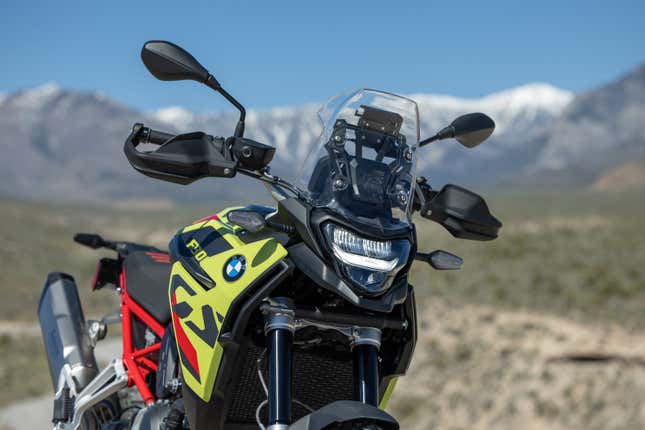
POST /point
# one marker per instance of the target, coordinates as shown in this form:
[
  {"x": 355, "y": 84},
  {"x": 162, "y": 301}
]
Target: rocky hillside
[
  {"x": 62, "y": 144},
  {"x": 630, "y": 175},
  {"x": 599, "y": 128}
]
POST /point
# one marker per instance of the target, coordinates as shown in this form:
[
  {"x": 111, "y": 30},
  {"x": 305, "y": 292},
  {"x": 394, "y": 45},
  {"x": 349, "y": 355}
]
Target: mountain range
[{"x": 61, "y": 144}]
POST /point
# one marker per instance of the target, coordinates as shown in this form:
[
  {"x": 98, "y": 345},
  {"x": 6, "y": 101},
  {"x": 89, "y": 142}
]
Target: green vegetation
[
  {"x": 575, "y": 256},
  {"x": 580, "y": 256},
  {"x": 37, "y": 239},
  {"x": 23, "y": 369}
]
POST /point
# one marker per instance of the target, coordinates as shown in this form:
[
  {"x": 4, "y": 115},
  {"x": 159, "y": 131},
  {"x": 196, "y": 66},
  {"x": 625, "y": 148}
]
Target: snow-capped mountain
[
  {"x": 599, "y": 127},
  {"x": 516, "y": 111},
  {"x": 62, "y": 144},
  {"x": 528, "y": 103}
]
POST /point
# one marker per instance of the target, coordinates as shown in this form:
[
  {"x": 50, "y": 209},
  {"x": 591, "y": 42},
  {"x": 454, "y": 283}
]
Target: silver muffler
[{"x": 72, "y": 365}]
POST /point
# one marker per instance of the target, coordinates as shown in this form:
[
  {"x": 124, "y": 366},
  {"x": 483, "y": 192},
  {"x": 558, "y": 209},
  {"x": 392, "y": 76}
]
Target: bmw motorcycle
[{"x": 298, "y": 316}]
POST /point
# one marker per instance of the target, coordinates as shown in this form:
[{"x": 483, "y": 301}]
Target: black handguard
[
  {"x": 181, "y": 159},
  {"x": 462, "y": 212}
]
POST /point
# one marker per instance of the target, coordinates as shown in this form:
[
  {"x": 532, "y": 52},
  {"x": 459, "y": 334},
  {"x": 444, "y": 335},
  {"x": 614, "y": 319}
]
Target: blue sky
[{"x": 271, "y": 53}]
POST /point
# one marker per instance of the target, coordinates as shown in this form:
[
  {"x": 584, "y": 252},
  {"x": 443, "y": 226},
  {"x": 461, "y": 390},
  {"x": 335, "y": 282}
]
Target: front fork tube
[
  {"x": 279, "y": 328},
  {"x": 366, "y": 343}
]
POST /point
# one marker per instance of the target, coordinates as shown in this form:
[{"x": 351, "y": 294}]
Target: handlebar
[
  {"x": 148, "y": 135},
  {"x": 184, "y": 158}
]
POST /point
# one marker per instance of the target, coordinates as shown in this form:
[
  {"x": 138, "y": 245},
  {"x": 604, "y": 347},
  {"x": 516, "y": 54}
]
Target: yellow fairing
[
  {"x": 198, "y": 312},
  {"x": 388, "y": 393}
]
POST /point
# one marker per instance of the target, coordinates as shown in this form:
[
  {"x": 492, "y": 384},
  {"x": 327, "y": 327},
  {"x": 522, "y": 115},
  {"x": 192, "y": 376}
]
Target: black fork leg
[
  {"x": 279, "y": 328},
  {"x": 366, "y": 376},
  {"x": 280, "y": 343}
]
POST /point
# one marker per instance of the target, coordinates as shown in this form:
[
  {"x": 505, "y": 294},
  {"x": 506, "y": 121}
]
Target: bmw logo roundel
[{"x": 234, "y": 268}]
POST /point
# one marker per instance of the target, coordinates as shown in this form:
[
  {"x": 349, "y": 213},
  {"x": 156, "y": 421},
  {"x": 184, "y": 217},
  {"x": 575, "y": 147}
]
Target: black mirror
[
  {"x": 472, "y": 129},
  {"x": 168, "y": 62}
]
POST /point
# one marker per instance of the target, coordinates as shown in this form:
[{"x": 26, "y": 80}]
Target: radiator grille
[{"x": 318, "y": 380}]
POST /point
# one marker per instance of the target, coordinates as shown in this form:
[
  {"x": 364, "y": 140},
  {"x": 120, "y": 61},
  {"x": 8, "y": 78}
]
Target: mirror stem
[
  {"x": 239, "y": 129},
  {"x": 444, "y": 133},
  {"x": 215, "y": 85}
]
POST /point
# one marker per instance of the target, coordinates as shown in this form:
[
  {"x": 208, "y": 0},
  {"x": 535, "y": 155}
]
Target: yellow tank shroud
[
  {"x": 214, "y": 268},
  {"x": 217, "y": 281}
]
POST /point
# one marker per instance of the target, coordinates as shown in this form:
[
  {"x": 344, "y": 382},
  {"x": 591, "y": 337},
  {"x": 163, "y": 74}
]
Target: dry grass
[
  {"x": 23, "y": 368},
  {"x": 578, "y": 256},
  {"x": 566, "y": 274},
  {"x": 480, "y": 368}
]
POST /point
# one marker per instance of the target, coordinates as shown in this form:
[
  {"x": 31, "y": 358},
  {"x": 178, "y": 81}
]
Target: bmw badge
[{"x": 234, "y": 268}]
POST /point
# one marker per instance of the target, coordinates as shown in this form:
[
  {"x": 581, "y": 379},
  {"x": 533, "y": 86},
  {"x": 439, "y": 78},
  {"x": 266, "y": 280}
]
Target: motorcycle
[{"x": 298, "y": 316}]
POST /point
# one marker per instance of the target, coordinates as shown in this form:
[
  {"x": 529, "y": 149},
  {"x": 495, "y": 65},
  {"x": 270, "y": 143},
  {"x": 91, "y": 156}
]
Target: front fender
[{"x": 346, "y": 414}]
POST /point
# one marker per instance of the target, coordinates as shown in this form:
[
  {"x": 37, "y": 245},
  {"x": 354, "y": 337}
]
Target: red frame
[{"x": 136, "y": 361}]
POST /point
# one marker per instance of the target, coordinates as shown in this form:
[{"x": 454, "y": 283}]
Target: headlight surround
[{"x": 370, "y": 265}]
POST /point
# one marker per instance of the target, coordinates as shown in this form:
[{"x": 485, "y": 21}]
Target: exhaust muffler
[{"x": 65, "y": 334}]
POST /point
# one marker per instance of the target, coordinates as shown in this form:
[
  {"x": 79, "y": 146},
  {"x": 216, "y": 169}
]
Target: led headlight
[{"x": 369, "y": 264}]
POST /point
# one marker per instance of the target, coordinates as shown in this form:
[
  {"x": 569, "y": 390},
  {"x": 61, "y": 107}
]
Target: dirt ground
[{"x": 480, "y": 368}]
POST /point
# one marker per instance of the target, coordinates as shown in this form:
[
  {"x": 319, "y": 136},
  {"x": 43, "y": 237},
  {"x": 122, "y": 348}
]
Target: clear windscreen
[{"x": 363, "y": 164}]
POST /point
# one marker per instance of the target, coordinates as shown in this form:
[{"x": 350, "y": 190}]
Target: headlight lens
[{"x": 369, "y": 264}]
